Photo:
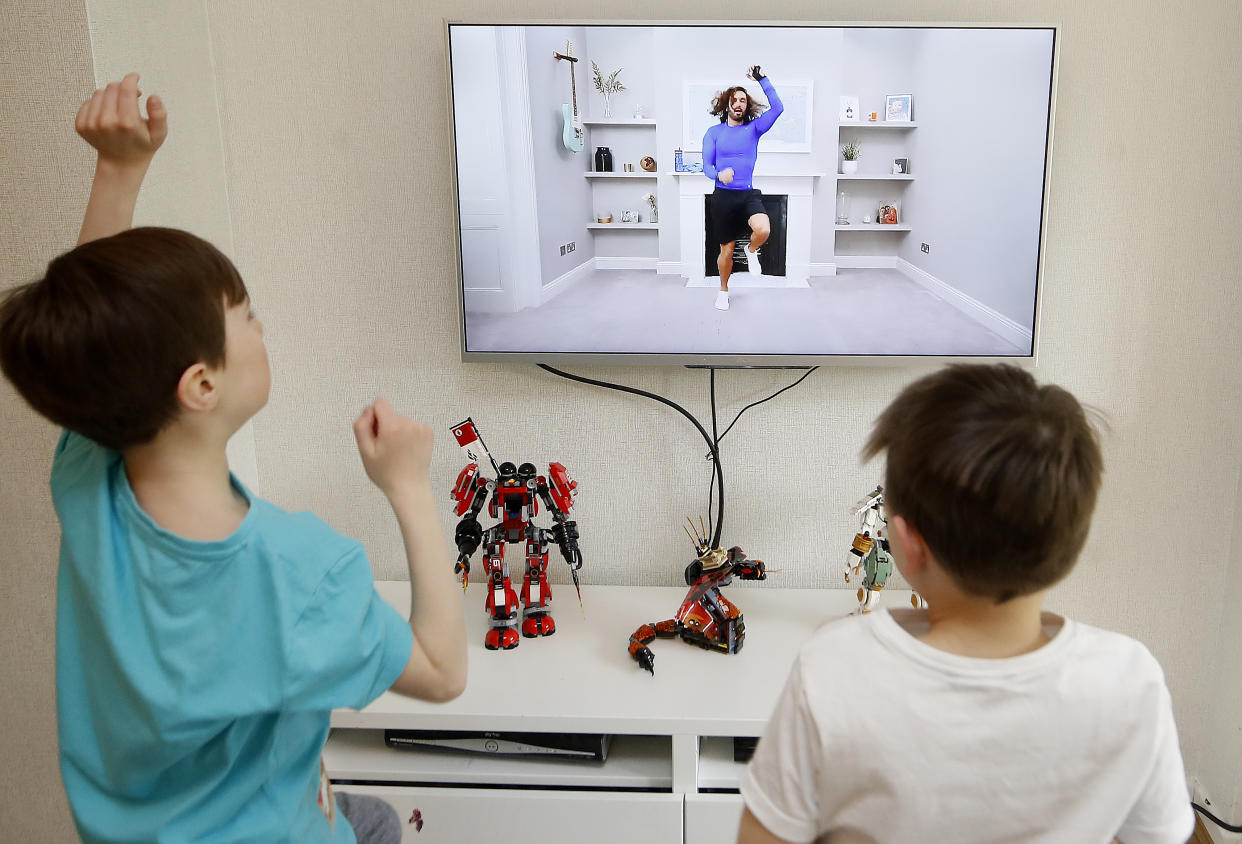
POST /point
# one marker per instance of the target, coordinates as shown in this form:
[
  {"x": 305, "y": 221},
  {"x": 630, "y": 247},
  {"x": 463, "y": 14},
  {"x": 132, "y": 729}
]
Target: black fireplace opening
[{"x": 771, "y": 254}]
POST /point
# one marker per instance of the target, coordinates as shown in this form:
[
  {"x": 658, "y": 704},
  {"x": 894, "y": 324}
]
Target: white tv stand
[{"x": 669, "y": 776}]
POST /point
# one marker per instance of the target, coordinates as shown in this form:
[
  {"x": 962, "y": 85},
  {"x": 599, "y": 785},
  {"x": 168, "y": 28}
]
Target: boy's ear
[
  {"x": 197, "y": 390},
  {"x": 917, "y": 554}
]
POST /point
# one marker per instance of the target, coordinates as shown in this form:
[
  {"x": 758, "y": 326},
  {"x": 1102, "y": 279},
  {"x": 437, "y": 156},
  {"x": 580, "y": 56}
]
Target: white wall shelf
[
  {"x": 609, "y": 198},
  {"x": 617, "y": 226},
  {"x": 621, "y": 121},
  {"x": 896, "y": 180}
]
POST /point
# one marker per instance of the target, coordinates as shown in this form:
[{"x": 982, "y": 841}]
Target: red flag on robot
[{"x": 468, "y": 438}]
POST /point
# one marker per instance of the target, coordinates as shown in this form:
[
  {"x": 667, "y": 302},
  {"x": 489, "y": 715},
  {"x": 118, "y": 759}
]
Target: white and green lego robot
[{"x": 869, "y": 557}]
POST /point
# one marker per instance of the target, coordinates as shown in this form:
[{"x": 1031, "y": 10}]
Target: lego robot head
[{"x": 698, "y": 537}]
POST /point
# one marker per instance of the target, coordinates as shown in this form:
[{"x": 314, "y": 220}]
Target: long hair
[{"x": 720, "y": 105}]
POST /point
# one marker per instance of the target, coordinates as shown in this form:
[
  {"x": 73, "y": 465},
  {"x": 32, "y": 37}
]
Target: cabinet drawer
[
  {"x": 712, "y": 818},
  {"x": 532, "y": 816}
]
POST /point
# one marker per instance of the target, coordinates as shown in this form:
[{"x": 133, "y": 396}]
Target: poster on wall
[{"x": 792, "y": 133}]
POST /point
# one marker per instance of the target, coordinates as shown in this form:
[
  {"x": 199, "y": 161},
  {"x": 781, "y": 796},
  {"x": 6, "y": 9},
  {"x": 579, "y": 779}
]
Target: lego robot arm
[
  {"x": 470, "y": 493},
  {"x": 746, "y": 568},
  {"x": 557, "y": 492}
]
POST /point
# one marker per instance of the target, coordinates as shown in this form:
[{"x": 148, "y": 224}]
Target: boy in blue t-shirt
[{"x": 203, "y": 634}]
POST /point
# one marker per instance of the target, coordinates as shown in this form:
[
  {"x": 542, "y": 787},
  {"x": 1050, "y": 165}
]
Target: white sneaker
[
  {"x": 722, "y": 300},
  {"x": 752, "y": 261}
]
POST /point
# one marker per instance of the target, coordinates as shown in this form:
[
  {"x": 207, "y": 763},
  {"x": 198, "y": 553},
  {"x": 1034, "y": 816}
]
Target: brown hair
[
  {"x": 99, "y": 344},
  {"x": 720, "y": 105},
  {"x": 998, "y": 474}
]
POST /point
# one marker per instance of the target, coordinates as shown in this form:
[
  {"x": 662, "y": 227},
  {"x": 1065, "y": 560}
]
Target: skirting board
[
  {"x": 564, "y": 281},
  {"x": 866, "y": 262},
  {"x": 1017, "y": 334},
  {"x": 602, "y": 263}
]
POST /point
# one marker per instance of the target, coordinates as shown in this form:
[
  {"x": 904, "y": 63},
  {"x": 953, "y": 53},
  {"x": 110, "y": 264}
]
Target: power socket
[
  {"x": 926, "y": 248},
  {"x": 571, "y": 246},
  {"x": 1198, "y": 794}
]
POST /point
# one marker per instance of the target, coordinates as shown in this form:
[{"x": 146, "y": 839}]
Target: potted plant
[
  {"x": 607, "y": 86},
  {"x": 850, "y": 153}
]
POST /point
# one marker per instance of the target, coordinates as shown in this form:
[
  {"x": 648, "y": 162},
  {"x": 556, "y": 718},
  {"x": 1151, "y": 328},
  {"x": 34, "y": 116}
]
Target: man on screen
[{"x": 729, "y": 152}]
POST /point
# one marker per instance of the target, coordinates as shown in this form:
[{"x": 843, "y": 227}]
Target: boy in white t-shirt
[{"x": 981, "y": 718}]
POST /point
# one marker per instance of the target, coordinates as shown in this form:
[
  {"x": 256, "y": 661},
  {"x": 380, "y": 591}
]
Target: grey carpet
[{"x": 856, "y": 312}]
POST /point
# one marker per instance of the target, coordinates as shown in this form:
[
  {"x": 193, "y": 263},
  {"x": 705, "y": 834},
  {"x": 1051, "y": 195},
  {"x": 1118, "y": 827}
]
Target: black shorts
[{"x": 730, "y": 211}]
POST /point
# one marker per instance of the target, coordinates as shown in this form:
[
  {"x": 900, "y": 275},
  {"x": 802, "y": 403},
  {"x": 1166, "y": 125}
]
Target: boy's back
[
  {"x": 195, "y": 679},
  {"x": 981, "y": 718},
  {"x": 203, "y": 635},
  {"x": 880, "y": 737}
]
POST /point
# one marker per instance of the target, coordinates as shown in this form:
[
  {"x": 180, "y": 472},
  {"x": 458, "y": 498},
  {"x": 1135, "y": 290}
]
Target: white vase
[
  {"x": 849, "y": 168},
  {"x": 607, "y": 106}
]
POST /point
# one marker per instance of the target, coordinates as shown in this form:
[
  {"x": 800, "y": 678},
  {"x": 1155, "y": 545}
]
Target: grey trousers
[{"x": 373, "y": 820}]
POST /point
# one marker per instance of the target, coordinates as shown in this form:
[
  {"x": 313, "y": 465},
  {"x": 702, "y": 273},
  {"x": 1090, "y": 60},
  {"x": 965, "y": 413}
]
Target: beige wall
[
  {"x": 326, "y": 176},
  {"x": 45, "y": 74}
]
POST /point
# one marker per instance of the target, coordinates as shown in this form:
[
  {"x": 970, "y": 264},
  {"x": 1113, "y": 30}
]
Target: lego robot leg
[
  {"x": 536, "y": 594},
  {"x": 501, "y": 603}
]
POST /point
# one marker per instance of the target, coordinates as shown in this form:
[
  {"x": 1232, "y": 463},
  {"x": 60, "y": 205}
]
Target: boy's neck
[
  {"x": 978, "y": 627},
  {"x": 181, "y": 480}
]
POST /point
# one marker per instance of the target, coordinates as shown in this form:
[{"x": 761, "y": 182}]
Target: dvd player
[{"x": 589, "y": 746}]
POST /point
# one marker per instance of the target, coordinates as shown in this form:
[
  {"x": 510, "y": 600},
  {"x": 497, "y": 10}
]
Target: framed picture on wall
[
  {"x": 790, "y": 133},
  {"x": 898, "y": 108}
]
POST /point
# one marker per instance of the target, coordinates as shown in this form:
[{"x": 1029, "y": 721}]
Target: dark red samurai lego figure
[
  {"x": 706, "y": 617},
  {"x": 513, "y": 498}
]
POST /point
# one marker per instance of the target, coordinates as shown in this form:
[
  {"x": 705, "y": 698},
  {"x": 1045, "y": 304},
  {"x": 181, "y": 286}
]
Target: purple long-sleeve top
[{"x": 726, "y": 146}]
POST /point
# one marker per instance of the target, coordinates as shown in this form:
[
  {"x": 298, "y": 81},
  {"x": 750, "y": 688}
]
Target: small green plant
[
  {"x": 852, "y": 151},
  {"x": 611, "y": 85}
]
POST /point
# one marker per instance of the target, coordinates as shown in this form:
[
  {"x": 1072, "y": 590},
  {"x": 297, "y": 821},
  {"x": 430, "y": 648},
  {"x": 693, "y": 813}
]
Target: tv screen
[{"x": 863, "y": 192}]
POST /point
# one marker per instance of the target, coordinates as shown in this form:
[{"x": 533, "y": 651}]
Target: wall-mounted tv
[{"x": 894, "y": 178}]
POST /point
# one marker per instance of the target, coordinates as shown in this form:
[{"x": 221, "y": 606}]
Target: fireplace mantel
[{"x": 798, "y": 187}]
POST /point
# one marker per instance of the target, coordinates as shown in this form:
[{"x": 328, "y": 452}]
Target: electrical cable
[
  {"x": 715, "y": 455},
  {"x": 715, "y": 442},
  {"x": 761, "y": 401},
  {"x": 1228, "y": 827}
]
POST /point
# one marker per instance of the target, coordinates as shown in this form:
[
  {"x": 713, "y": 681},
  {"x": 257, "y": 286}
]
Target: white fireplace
[{"x": 797, "y": 187}]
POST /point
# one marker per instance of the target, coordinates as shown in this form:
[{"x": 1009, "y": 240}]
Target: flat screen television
[{"x": 894, "y": 176}]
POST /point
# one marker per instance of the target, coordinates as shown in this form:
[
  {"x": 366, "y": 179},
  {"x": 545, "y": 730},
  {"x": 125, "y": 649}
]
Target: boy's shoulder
[
  {"x": 301, "y": 538},
  {"x": 883, "y": 640}
]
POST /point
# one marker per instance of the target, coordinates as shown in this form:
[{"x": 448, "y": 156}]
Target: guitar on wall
[{"x": 571, "y": 136}]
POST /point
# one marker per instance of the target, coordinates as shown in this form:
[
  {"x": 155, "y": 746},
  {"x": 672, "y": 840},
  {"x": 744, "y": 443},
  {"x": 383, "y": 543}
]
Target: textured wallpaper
[
  {"x": 45, "y": 74},
  {"x": 310, "y": 140}
]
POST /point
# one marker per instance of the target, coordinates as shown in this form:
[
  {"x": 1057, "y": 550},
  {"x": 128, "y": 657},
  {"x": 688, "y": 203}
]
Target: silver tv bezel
[{"x": 775, "y": 361}]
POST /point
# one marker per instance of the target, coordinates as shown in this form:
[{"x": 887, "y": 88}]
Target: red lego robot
[
  {"x": 513, "y": 498},
  {"x": 706, "y": 618}
]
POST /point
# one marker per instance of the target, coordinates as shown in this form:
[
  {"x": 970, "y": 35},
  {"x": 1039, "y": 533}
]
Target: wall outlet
[
  {"x": 1198, "y": 794},
  {"x": 571, "y": 246},
  {"x": 926, "y": 248},
  {"x": 562, "y": 249}
]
